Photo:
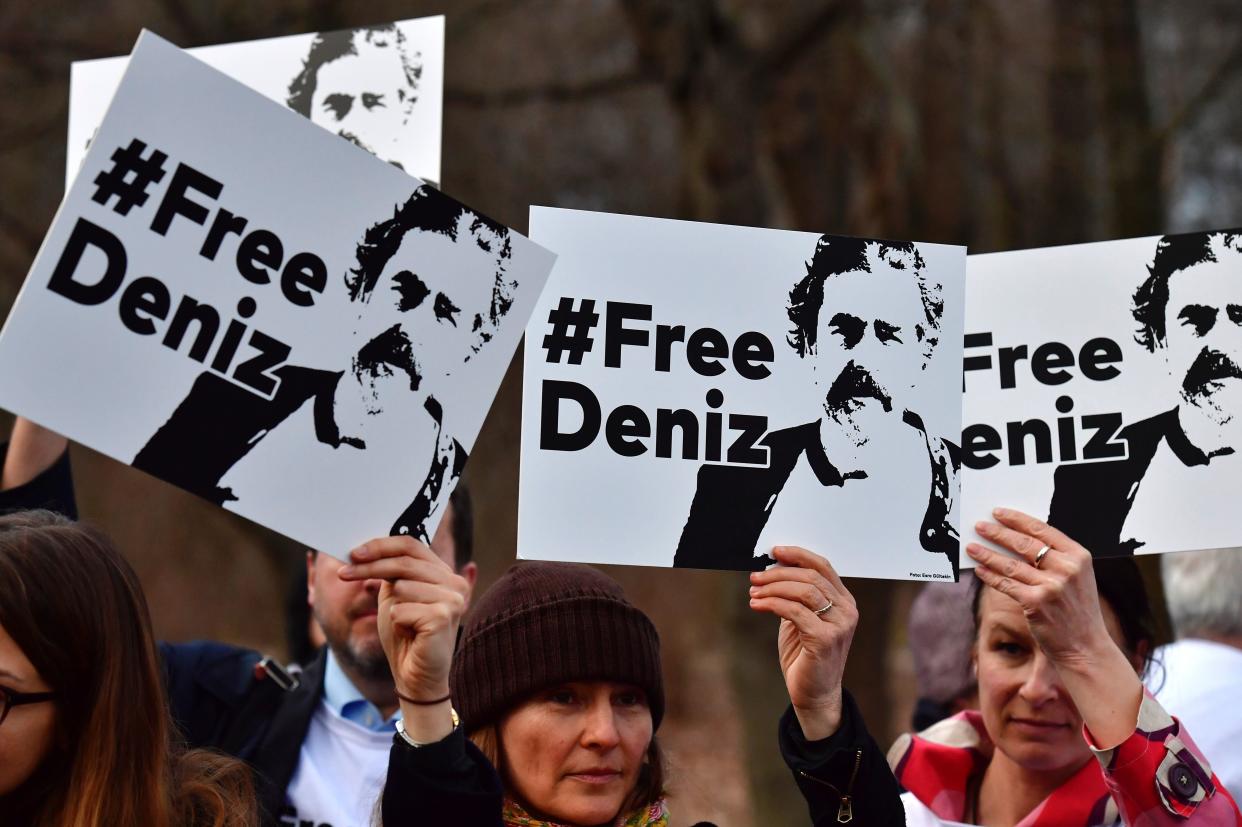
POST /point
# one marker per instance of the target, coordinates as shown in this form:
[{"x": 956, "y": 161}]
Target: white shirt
[
  {"x": 343, "y": 763},
  {"x": 1202, "y": 688}
]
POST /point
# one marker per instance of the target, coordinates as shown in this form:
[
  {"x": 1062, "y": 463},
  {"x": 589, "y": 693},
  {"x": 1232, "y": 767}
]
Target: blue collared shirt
[{"x": 343, "y": 698}]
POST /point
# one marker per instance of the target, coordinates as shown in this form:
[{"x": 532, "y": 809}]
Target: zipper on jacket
[{"x": 845, "y": 812}]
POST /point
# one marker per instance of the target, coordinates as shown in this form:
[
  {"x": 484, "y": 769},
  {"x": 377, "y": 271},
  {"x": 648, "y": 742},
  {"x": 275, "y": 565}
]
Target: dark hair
[
  {"x": 835, "y": 255},
  {"x": 330, "y": 46},
  {"x": 463, "y": 525},
  {"x": 430, "y": 211},
  {"x": 1173, "y": 254},
  {"x": 75, "y": 608},
  {"x": 1120, "y": 584}
]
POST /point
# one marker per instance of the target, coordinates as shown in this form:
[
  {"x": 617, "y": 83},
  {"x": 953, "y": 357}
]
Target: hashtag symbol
[
  {"x": 130, "y": 177},
  {"x": 562, "y": 318}
]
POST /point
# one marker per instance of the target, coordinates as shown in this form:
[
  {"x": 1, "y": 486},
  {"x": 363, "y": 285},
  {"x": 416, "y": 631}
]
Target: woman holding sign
[
  {"x": 85, "y": 736},
  {"x": 557, "y": 684},
  {"x": 1066, "y": 735}
]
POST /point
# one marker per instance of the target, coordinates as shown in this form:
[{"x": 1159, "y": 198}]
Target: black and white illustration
[
  {"x": 748, "y": 388},
  {"x": 424, "y": 308},
  {"x": 1124, "y": 422},
  {"x": 265, "y": 315},
  {"x": 380, "y": 87}
]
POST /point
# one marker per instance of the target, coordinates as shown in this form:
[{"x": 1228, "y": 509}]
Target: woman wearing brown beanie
[{"x": 556, "y": 683}]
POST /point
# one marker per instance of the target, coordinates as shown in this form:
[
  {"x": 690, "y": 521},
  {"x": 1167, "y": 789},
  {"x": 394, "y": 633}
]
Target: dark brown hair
[
  {"x": 1120, "y": 585},
  {"x": 75, "y": 608}
]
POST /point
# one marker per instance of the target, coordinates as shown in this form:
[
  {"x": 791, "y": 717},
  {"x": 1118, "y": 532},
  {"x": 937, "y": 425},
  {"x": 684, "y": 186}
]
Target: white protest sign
[
  {"x": 1103, "y": 391},
  {"x": 381, "y": 87},
  {"x": 241, "y": 303},
  {"x": 695, "y": 394}
]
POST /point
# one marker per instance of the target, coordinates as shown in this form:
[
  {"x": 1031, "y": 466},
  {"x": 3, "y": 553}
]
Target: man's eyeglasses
[{"x": 10, "y": 699}]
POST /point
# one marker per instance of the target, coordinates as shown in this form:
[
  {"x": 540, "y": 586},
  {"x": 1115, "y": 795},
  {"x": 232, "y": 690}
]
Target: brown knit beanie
[{"x": 544, "y": 624}]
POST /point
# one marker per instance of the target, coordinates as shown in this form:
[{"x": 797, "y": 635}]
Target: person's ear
[
  {"x": 1141, "y": 652},
  {"x": 470, "y": 571}
]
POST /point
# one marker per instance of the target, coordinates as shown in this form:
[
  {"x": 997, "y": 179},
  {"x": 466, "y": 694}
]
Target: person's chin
[
  {"x": 1044, "y": 750},
  {"x": 591, "y": 806}
]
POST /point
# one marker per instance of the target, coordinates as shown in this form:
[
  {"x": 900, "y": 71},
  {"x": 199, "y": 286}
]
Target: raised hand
[
  {"x": 814, "y": 641},
  {"x": 1058, "y": 597},
  {"x": 420, "y": 607},
  {"x": 1053, "y": 580}
]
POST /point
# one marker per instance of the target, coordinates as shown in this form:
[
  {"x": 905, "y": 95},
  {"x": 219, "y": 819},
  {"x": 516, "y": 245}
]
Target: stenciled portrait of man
[
  {"x": 361, "y": 84},
  {"x": 1189, "y": 316},
  {"x": 866, "y": 314},
  {"x": 428, "y": 289}
]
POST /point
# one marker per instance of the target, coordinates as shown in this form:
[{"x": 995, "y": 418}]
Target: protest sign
[
  {"x": 242, "y": 304},
  {"x": 381, "y": 87},
  {"x": 1103, "y": 390},
  {"x": 695, "y": 394}
]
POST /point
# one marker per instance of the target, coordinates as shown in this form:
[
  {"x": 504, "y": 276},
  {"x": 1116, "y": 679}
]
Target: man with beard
[
  {"x": 318, "y": 741},
  {"x": 1189, "y": 312},
  {"x": 867, "y": 314},
  {"x": 361, "y": 84},
  {"x": 414, "y": 274}
]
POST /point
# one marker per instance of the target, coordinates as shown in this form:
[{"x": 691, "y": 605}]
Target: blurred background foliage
[{"x": 999, "y": 124}]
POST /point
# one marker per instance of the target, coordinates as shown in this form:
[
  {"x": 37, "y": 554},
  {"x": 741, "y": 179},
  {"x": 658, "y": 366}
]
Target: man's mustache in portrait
[
  {"x": 1209, "y": 368},
  {"x": 361, "y": 144},
  {"x": 851, "y": 386},
  {"x": 378, "y": 357}
]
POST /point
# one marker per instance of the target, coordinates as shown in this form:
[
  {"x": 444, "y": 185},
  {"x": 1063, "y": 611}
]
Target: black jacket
[
  {"x": 218, "y": 699},
  {"x": 845, "y": 779}
]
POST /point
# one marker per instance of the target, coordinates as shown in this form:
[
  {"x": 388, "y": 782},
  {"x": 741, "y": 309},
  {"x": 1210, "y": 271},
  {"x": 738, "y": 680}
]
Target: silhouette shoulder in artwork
[
  {"x": 429, "y": 290},
  {"x": 867, "y": 315},
  {"x": 1189, "y": 316}
]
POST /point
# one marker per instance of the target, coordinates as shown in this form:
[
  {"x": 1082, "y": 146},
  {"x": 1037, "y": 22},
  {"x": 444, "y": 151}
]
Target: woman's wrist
[
  {"x": 1107, "y": 692},
  {"x": 427, "y": 723},
  {"x": 822, "y": 720}
]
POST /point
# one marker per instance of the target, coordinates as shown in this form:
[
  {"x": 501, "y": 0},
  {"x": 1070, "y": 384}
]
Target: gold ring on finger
[
  {"x": 823, "y": 611},
  {"x": 1039, "y": 558}
]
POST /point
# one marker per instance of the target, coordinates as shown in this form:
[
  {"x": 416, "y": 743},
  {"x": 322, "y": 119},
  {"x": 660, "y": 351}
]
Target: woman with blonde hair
[{"x": 85, "y": 735}]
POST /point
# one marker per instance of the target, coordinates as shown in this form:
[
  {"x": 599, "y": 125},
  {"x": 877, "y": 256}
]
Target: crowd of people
[{"x": 539, "y": 703}]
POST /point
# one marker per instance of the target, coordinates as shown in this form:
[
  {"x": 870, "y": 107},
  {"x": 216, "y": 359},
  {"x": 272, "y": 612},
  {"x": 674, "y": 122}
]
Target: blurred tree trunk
[
  {"x": 695, "y": 50},
  {"x": 939, "y": 186},
  {"x": 1070, "y": 216},
  {"x": 1134, "y": 154}
]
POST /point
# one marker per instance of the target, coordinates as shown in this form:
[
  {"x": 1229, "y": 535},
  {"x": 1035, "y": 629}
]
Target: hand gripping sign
[
  {"x": 244, "y": 305},
  {"x": 695, "y": 394}
]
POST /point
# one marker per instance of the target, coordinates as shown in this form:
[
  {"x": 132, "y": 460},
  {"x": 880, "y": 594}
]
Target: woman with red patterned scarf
[{"x": 1066, "y": 735}]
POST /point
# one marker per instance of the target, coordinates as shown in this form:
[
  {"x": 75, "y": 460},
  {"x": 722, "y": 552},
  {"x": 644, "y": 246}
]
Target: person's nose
[
  {"x": 1042, "y": 683},
  {"x": 373, "y": 586},
  {"x": 599, "y": 730}
]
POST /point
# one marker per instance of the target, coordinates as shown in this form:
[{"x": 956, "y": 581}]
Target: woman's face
[
  {"x": 1026, "y": 709},
  {"x": 573, "y": 752},
  {"x": 26, "y": 734}
]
